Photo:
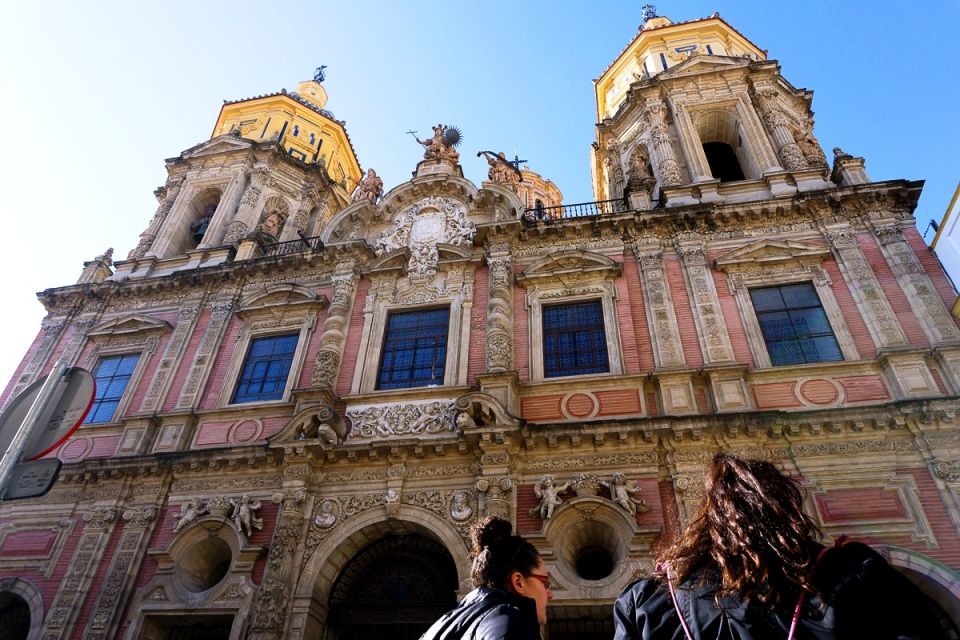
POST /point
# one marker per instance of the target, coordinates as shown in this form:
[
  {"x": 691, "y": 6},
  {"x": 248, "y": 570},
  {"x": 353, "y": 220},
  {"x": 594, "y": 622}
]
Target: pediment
[
  {"x": 221, "y": 144},
  {"x": 701, "y": 64},
  {"x": 770, "y": 252},
  {"x": 128, "y": 325},
  {"x": 571, "y": 262},
  {"x": 396, "y": 259},
  {"x": 282, "y": 295}
]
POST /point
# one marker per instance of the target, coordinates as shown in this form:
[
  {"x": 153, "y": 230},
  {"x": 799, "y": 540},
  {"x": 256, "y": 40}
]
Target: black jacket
[
  {"x": 862, "y": 597},
  {"x": 488, "y": 614}
]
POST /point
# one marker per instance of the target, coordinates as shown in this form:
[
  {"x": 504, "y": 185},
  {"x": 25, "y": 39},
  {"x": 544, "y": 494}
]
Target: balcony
[
  {"x": 302, "y": 244},
  {"x": 534, "y": 215}
]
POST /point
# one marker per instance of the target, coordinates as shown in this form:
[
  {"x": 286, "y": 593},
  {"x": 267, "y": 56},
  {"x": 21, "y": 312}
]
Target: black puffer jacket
[
  {"x": 488, "y": 614},
  {"x": 862, "y": 597}
]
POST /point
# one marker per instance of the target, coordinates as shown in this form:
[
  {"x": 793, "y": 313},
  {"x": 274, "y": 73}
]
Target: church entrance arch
[{"x": 393, "y": 589}]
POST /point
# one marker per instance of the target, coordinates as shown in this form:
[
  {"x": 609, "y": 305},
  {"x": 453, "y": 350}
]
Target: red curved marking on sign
[{"x": 72, "y": 429}]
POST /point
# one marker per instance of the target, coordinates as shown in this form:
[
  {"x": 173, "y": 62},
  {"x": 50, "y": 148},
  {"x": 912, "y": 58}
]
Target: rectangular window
[
  {"x": 794, "y": 325},
  {"x": 414, "y": 349},
  {"x": 265, "y": 371},
  {"x": 112, "y": 376},
  {"x": 574, "y": 340}
]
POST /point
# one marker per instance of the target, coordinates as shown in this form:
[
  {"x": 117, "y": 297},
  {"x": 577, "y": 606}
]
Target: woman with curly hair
[
  {"x": 749, "y": 567},
  {"x": 509, "y": 601}
]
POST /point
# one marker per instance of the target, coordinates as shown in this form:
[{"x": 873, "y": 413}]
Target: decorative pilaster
[
  {"x": 111, "y": 599},
  {"x": 76, "y": 583},
  {"x": 166, "y": 195},
  {"x": 249, "y": 208},
  {"x": 664, "y": 157},
  {"x": 270, "y": 611},
  {"x": 220, "y": 315},
  {"x": 326, "y": 366},
  {"x": 705, "y": 304},
  {"x": 308, "y": 200},
  {"x": 661, "y": 317},
  {"x": 874, "y": 307},
  {"x": 500, "y": 309},
  {"x": 779, "y": 127},
  {"x": 186, "y": 321},
  {"x": 53, "y": 329},
  {"x": 928, "y": 307}
]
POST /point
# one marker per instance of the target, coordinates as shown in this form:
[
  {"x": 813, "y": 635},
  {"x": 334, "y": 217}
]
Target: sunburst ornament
[{"x": 451, "y": 136}]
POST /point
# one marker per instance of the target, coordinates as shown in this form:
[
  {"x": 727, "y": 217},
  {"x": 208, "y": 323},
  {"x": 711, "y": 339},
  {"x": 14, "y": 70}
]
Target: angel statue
[
  {"x": 244, "y": 516},
  {"x": 438, "y": 147},
  {"x": 549, "y": 495},
  {"x": 620, "y": 493},
  {"x": 189, "y": 511}
]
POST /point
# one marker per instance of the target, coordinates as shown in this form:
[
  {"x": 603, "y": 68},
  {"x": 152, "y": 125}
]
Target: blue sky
[{"x": 96, "y": 95}]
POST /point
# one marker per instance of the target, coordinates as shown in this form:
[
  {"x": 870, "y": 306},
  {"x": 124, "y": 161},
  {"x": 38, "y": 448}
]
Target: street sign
[
  {"x": 38, "y": 421},
  {"x": 32, "y": 479}
]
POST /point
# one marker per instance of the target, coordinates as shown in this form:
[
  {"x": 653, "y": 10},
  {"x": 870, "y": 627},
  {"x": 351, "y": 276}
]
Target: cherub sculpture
[
  {"x": 189, "y": 511},
  {"x": 244, "y": 516},
  {"x": 369, "y": 189},
  {"x": 549, "y": 495},
  {"x": 620, "y": 493}
]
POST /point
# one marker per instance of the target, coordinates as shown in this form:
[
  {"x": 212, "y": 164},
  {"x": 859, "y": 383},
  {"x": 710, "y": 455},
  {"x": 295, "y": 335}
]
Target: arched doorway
[
  {"x": 14, "y": 617},
  {"x": 393, "y": 589}
]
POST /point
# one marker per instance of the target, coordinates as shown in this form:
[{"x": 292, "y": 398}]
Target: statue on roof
[
  {"x": 369, "y": 189},
  {"x": 318, "y": 75},
  {"x": 441, "y": 145},
  {"x": 502, "y": 171}
]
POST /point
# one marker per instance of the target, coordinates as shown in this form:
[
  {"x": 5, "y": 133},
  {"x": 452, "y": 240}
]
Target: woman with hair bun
[
  {"x": 511, "y": 589},
  {"x": 749, "y": 567}
]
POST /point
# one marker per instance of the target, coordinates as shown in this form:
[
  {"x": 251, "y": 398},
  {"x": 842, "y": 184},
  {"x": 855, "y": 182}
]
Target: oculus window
[
  {"x": 414, "y": 349},
  {"x": 574, "y": 341},
  {"x": 265, "y": 371},
  {"x": 112, "y": 376},
  {"x": 794, "y": 325}
]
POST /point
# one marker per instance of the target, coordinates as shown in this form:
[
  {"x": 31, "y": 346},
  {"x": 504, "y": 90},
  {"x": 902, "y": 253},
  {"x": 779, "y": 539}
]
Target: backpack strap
[
  {"x": 673, "y": 596},
  {"x": 803, "y": 594}
]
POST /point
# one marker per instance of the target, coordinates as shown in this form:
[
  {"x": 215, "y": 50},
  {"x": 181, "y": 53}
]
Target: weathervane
[
  {"x": 318, "y": 75},
  {"x": 649, "y": 11}
]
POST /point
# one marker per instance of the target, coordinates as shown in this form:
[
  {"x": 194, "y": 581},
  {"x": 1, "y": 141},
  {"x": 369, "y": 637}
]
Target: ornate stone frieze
[
  {"x": 590, "y": 461},
  {"x": 340, "y": 508},
  {"x": 946, "y": 471},
  {"x": 846, "y": 448},
  {"x": 390, "y": 420}
]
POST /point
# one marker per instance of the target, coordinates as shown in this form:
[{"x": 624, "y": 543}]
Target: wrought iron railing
[
  {"x": 300, "y": 245},
  {"x": 579, "y": 210}
]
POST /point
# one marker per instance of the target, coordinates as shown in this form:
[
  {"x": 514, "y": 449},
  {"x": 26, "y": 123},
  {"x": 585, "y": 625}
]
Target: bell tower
[{"x": 694, "y": 112}]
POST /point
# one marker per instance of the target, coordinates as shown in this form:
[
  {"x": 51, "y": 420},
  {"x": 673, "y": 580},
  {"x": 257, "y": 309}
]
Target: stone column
[
  {"x": 299, "y": 221},
  {"x": 661, "y": 317},
  {"x": 166, "y": 195},
  {"x": 873, "y": 305},
  {"x": 326, "y": 365},
  {"x": 273, "y": 599},
  {"x": 662, "y": 152},
  {"x": 927, "y": 305},
  {"x": 705, "y": 304},
  {"x": 78, "y": 579},
  {"x": 691, "y": 144},
  {"x": 779, "y": 127},
  {"x": 248, "y": 210},
  {"x": 110, "y": 602},
  {"x": 500, "y": 309},
  {"x": 226, "y": 210}
]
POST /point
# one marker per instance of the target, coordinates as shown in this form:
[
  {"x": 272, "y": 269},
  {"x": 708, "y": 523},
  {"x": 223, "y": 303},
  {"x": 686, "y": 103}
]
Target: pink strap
[{"x": 796, "y": 612}]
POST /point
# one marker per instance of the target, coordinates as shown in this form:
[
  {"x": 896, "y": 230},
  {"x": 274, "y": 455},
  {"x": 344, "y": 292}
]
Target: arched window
[
  {"x": 199, "y": 215},
  {"x": 728, "y": 158}
]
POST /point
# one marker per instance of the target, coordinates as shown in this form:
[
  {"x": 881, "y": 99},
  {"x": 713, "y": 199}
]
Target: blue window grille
[
  {"x": 794, "y": 325},
  {"x": 112, "y": 376},
  {"x": 414, "y": 349},
  {"x": 266, "y": 369},
  {"x": 574, "y": 341}
]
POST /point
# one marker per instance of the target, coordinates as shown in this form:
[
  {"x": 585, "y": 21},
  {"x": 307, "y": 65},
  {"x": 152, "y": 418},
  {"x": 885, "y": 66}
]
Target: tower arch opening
[
  {"x": 14, "y": 616},
  {"x": 721, "y": 136},
  {"x": 198, "y": 216}
]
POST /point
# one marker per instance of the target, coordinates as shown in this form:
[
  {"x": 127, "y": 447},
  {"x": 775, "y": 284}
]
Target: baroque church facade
[{"x": 309, "y": 390}]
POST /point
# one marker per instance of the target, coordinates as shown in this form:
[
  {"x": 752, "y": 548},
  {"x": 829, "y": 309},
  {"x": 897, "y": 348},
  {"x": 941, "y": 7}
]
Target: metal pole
[{"x": 15, "y": 451}]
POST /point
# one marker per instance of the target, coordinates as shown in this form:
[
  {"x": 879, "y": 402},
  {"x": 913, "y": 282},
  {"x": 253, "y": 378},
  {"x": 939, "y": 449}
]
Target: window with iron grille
[
  {"x": 266, "y": 369},
  {"x": 794, "y": 325},
  {"x": 414, "y": 349},
  {"x": 574, "y": 341},
  {"x": 112, "y": 376}
]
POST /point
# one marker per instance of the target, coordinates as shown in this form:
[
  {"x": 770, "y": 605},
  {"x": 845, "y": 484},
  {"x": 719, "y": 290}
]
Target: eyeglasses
[{"x": 545, "y": 580}]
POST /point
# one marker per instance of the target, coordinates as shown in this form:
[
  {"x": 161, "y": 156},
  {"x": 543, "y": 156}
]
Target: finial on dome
[
  {"x": 649, "y": 12},
  {"x": 318, "y": 75}
]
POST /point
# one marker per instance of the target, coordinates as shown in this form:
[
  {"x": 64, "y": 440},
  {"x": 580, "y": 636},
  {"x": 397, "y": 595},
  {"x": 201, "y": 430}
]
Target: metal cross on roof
[{"x": 516, "y": 162}]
